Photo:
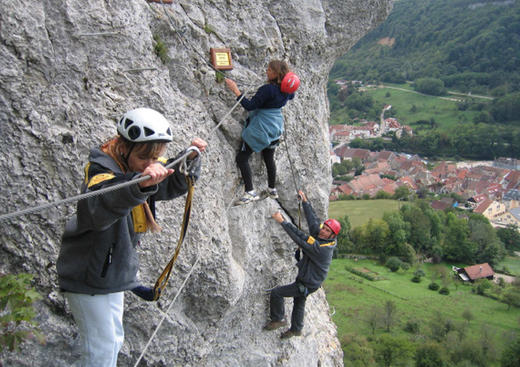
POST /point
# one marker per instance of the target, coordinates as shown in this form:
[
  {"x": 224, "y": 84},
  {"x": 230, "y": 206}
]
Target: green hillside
[
  {"x": 463, "y": 56},
  {"x": 470, "y": 45},
  {"x": 465, "y": 328}
]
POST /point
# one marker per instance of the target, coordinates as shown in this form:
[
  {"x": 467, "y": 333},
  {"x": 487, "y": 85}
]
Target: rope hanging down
[{"x": 162, "y": 281}]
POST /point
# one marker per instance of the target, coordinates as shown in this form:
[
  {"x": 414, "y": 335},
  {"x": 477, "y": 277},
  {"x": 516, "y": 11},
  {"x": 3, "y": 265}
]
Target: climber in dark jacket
[
  {"x": 313, "y": 267},
  {"x": 98, "y": 258},
  {"x": 264, "y": 127}
]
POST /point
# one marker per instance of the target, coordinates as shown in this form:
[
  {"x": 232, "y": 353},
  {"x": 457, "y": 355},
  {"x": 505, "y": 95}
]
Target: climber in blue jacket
[
  {"x": 313, "y": 267},
  {"x": 264, "y": 127}
]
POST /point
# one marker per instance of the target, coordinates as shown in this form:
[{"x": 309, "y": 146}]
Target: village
[{"x": 491, "y": 188}]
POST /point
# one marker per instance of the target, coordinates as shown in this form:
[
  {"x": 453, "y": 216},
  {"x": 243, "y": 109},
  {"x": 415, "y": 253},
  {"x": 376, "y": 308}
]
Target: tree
[
  {"x": 344, "y": 242},
  {"x": 510, "y": 237},
  {"x": 402, "y": 192},
  {"x": 389, "y": 315},
  {"x": 432, "y": 86},
  {"x": 373, "y": 318},
  {"x": 456, "y": 246},
  {"x": 511, "y": 298},
  {"x": 391, "y": 350},
  {"x": 468, "y": 315},
  {"x": 357, "y": 351},
  {"x": 511, "y": 355},
  {"x": 488, "y": 246},
  {"x": 429, "y": 355}
]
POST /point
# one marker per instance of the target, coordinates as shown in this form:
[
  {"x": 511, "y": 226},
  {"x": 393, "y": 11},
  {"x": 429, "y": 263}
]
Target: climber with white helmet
[
  {"x": 313, "y": 267},
  {"x": 264, "y": 125},
  {"x": 98, "y": 258}
]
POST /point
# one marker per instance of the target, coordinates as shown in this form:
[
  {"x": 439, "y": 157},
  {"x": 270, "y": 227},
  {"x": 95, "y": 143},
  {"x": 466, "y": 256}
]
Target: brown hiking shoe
[
  {"x": 273, "y": 325},
  {"x": 290, "y": 333}
]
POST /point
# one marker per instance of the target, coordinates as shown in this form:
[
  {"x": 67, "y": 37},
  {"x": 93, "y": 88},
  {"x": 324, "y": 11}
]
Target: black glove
[{"x": 144, "y": 292}]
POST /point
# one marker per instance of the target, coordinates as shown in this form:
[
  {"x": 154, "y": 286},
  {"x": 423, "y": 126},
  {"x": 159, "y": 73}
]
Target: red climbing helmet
[
  {"x": 290, "y": 83},
  {"x": 334, "y": 225}
]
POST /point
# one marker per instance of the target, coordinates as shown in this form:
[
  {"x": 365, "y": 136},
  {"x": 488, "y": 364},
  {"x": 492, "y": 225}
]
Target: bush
[
  {"x": 433, "y": 286},
  {"x": 16, "y": 311},
  {"x": 416, "y": 279},
  {"x": 393, "y": 263},
  {"x": 444, "y": 291},
  {"x": 419, "y": 273},
  {"x": 412, "y": 326}
]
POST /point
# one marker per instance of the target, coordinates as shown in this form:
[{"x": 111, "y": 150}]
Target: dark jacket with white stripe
[
  {"x": 98, "y": 250},
  {"x": 317, "y": 252}
]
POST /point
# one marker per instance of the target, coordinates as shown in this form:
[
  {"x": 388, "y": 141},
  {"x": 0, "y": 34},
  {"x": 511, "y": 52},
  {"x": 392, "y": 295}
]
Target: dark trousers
[
  {"x": 299, "y": 296},
  {"x": 243, "y": 164}
]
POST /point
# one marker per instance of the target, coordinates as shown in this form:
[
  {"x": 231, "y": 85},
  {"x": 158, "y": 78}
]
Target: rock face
[{"x": 69, "y": 69}]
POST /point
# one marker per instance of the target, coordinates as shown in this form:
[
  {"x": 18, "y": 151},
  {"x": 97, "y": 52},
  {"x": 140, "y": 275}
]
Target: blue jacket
[
  {"x": 264, "y": 127},
  {"x": 314, "y": 265},
  {"x": 265, "y": 121}
]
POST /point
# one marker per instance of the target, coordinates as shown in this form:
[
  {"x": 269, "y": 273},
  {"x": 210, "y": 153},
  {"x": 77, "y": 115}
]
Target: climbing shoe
[
  {"x": 273, "y": 194},
  {"x": 273, "y": 325},
  {"x": 248, "y": 197},
  {"x": 290, "y": 333}
]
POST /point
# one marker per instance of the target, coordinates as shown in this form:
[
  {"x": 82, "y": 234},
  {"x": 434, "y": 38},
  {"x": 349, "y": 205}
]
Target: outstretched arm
[{"x": 312, "y": 220}]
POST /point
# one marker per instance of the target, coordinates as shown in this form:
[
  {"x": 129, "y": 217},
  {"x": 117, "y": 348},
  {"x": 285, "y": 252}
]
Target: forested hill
[{"x": 470, "y": 45}]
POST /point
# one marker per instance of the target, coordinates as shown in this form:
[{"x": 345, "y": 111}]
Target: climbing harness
[{"x": 162, "y": 281}]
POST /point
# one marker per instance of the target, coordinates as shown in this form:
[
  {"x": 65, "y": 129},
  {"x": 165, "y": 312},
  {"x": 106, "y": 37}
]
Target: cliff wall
[{"x": 70, "y": 68}]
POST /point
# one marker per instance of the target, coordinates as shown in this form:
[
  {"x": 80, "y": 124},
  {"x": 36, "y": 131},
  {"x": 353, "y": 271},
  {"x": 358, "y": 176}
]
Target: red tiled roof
[
  {"x": 481, "y": 208},
  {"x": 479, "y": 271}
]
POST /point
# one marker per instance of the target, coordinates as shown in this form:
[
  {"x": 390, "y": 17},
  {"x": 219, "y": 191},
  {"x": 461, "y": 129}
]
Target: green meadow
[
  {"x": 410, "y": 106},
  {"x": 354, "y": 299},
  {"x": 360, "y": 211}
]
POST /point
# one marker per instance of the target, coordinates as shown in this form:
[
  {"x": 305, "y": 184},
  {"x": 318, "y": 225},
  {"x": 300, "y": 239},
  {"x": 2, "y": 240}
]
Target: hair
[
  {"x": 115, "y": 147},
  {"x": 280, "y": 68}
]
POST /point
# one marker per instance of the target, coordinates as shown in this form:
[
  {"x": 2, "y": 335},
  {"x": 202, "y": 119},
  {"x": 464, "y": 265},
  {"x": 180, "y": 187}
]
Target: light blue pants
[{"x": 100, "y": 323}]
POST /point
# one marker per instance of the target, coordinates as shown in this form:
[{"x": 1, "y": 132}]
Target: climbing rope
[
  {"x": 297, "y": 186},
  {"x": 89, "y": 194},
  {"x": 161, "y": 282},
  {"x": 167, "y": 311}
]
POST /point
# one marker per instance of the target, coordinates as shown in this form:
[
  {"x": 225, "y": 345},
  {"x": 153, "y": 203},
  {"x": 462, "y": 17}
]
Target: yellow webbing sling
[{"x": 161, "y": 282}]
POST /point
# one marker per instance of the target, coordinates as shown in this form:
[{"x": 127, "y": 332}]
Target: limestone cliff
[{"x": 70, "y": 68}]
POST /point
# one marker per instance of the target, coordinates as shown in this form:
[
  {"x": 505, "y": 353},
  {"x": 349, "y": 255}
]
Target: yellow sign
[{"x": 221, "y": 58}]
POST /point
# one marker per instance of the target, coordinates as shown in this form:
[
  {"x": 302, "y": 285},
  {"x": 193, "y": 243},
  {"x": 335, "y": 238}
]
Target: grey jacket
[
  {"x": 98, "y": 250},
  {"x": 313, "y": 267}
]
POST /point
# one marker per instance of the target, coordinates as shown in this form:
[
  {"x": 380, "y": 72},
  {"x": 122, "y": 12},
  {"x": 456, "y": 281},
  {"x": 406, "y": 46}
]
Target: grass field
[
  {"x": 512, "y": 263},
  {"x": 360, "y": 211},
  {"x": 402, "y": 98},
  {"x": 354, "y": 298}
]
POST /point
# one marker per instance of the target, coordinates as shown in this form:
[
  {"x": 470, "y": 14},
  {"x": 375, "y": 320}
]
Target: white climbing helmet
[{"x": 144, "y": 125}]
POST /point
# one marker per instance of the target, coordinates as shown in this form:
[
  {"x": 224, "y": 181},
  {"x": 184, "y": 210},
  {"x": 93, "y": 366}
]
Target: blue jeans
[
  {"x": 100, "y": 322},
  {"x": 299, "y": 295}
]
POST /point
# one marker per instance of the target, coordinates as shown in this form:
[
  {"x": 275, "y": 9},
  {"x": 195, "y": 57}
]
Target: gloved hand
[{"x": 144, "y": 292}]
